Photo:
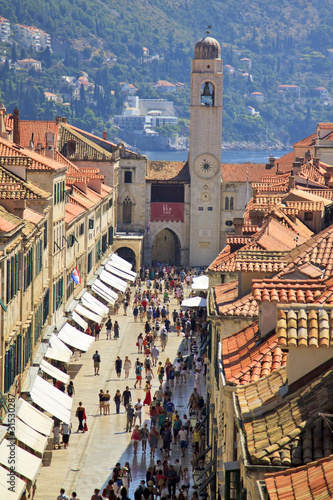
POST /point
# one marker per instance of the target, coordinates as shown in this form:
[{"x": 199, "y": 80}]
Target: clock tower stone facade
[{"x": 205, "y": 152}]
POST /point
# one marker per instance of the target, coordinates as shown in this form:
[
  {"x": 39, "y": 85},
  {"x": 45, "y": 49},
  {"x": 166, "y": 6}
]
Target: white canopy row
[
  {"x": 52, "y": 400},
  {"x": 87, "y": 313},
  {"x": 94, "y": 305},
  {"x": 26, "y": 464},
  {"x": 75, "y": 338},
  {"x": 194, "y": 302},
  {"x": 58, "y": 350},
  {"x": 54, "y": 372},
  {"x": 120, "y": 273},
  {"x": 200, "y": 283},
  {"x": 119, "y": 262},
  {"x": 17, "y": 485},
  {"x": 113, "y": 281},
  {"x": 80, "y": 321}
]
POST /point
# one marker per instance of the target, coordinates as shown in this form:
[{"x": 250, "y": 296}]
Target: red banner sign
[{"x": 167, "y": 212}]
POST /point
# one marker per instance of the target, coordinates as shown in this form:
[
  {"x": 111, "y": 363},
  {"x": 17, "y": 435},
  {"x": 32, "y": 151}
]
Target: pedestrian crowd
[{"x": 167, "y": 427}]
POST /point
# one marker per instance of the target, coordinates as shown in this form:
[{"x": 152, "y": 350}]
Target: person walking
[
  {"x": 62, "y": 495},
  {"x": 118, "y": 366},
  {"x": 147, "y": 399},
  {"x": 65, "y": 431},
  {"x": 135, "y": 313},
  {"x": 160, "y": 372},
  {"x": 138, "y": 372},
  {"x": 81, "y": 415},
  {"x": 107, "y": 398},
  {"x": 101, "y": 402},
  {"x": 116, "y": 329},
  {"x": 129, "y": 417},
  {"x": 108, "y": 325},
  {"x": 96, "y": 495},
  {"x": 70, "y": 389},
  {"x": 147, "y": 364},
  {"x": 153, "y": 440},
  {"x": 136, "y": 436},
  {"x": 144, "y": 436},
  {"x": 139, "y": 343},
  {"x": 56, "y": 435},
  {"x": 155, "y": 355},
  {"x": 97, "y": 331},
  {"x": 97, "y": 361},
  {"x": 127, "y": 366},
  {"x": 117, "y": 400},
  {"x": 138, "y": 411},
  {"x": 127, "y": 397},
  {"x": 183, "y": 437}
]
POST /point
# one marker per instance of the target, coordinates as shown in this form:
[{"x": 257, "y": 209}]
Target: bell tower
[{"x": 205, "y": 151}]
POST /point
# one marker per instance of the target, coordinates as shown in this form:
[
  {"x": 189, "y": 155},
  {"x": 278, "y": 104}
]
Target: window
[
  {"x": 91, "y": 223},
  {"x": 228, "y": 223},
  {"x": 226, "y": 203},
  {"x": 210, "y": 209},
  {"x": 200, "y": 209},
  {"x": 28, "y": 260},
  {"x": 81, "y": 229},
  {"x": 127, "y": 211},
  {"x": 90, "y": 257},
  {"x": 46, "y": 306},
  {"x": 45, "y": 235},
  {"x": 98, "y": 253},
  {"x": 128, "y": 177},
  {"x": 110, "y": 202},
  {"x": 232, "y": 481},
  {"x": 110, "y": 235},
  {"x": 38, "y": 322},
  {"x": 308, "y": 216},
  {"x": 231, "y": 202},
  {"x": 70, "y": 285},
  {"x": 39, "y": 257},
  {"x": 207, "y": 94},
  {"x": 104, "y": 242},
  {"x": 58, "y": 293}
]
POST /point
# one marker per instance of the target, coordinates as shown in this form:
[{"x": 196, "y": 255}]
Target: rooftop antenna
[{"x": 209, "y": 27}]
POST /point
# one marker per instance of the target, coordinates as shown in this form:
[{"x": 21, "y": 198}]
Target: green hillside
[{"x": 286, "y": 41}]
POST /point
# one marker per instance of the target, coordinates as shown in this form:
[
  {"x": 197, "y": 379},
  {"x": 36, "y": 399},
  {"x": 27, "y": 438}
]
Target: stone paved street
[{"x": 90, "y": 458}]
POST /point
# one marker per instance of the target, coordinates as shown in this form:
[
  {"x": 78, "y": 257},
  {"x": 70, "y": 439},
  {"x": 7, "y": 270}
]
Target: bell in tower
[{"x": 207, "y": 95}]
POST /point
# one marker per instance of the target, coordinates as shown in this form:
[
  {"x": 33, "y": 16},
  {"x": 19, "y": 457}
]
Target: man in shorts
[
  {"x": 138, "y": 372},
  {"x": 183, "y": 440},
  {"x": 138, "y": 411},
  {"x": 97, "y": 361}
]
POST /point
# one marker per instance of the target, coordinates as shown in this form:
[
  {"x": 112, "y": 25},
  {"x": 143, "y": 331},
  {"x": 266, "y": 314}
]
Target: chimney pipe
[
  {"x": 16, "y": 129},
  {"x": 105, "y": 134}
]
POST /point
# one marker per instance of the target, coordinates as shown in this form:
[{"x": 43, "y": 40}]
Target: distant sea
[{"x": 227, "y": 156}]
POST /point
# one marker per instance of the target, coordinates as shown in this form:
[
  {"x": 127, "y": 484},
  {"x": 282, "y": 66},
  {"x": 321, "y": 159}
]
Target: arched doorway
[
  {"x": 166, "y": 248},
  {"x": 127, "y": 254}
]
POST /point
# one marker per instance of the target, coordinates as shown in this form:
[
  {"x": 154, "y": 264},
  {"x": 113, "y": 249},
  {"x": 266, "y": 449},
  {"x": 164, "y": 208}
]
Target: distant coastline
[{"x": 228, "y": 156}]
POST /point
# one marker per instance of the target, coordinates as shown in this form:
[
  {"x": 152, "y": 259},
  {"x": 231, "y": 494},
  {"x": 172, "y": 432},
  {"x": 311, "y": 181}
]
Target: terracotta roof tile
[
  {"x": 294, "y": 432},
  {"x": 313, "y": 481},
  {"x": 31, "y": 160},
  {"x": 36, "y": 130},
  {"x": 287, "y": 291},
  {"x": 307, "y": 141},
  {"x": 167, "y": 171},
  {"x": 13, "y": 187},
  {"x": 317, "y": 251},
  {"x": 254, "y": 172},
  {"x": 265, "y": 391},
  {"x": 308, "y": 327},
  {"x": 246, "y": 357}
]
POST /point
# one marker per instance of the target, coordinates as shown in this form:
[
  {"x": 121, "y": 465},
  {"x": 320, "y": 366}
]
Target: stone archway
[
  {"x": 166, "y": 248},
  {"x": 127, "y": 254}
]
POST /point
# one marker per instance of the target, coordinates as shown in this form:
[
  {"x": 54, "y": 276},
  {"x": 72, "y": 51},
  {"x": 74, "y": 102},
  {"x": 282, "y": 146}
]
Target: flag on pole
[
  {"x": 76, "y": 276},
  {"x": 148, "y": 228}
]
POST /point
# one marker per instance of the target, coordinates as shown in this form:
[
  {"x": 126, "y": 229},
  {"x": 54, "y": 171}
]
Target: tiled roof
[
  {"x": 168, "y": 171},
  {"x": 85, "y": 148},
  {"x": 245, "y": 307},
  {"x": 72, "y": 210},
  {"x": 246, "y": 358},
  {"x": 225, "y": 253},
  {"x": 254, "y": 172},
  {"x": 287, "y": 291},
  {"x": 285, "y": 162},
  {"x": 325, "y": 125},
  {"x": 313, "y": 481},
  {"x": 10, "y": 153},
  {"x": 309, "y": 270},
  {"x": 36, "y": 130},
  {"x": 307, "y": 141},
  {"x": 295, "y": 433},
  {"x": 318, "y": 251},
  {"x": 262, "y": 393},
  {"x": 305, "y": 327},
  {"x": 32, "y": 216},
  {"x": 238, "y": 240},
  {"x": 306, "y": 206},
  {"x": 13, "y": 187},
  {"x": 263, "y": 261}
]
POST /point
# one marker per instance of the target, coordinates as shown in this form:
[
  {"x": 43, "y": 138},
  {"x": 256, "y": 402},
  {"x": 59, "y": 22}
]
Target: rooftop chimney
[
  {"x": 291, "y": 183},
  {"x": 16, "y": 129},
  {"x": 105, "y": 134},
  {"x": 238, "y": 223},
  {"x": 271, "y": 160}
]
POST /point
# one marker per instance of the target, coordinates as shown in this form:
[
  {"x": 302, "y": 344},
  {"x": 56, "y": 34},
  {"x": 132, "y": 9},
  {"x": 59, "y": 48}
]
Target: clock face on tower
[{"x": 206, "y": 166}]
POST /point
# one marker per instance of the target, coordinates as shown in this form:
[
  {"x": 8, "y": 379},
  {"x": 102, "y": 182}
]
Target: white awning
[
  {"x": 105, "y": 289},
  {"x": 194, "y": 302},
  {"x": 26, "y": 464},
  {"x": 88, "y": 314},
  {"x": 119, "y": 272},
  {"x": 58, "y": 350},
  {"x": 34, "y": 418},
  {"x": 30, "y": 379},
  {"x": 200, "y": 283},
  {"x": 54, "y": 372},
  {"x": 17, "y": 486},
  {"x": 80, "y": 321},
  {"x": 55, "y": 402},
  {"x": 113, "y": 281},
  {"x": 29, "y": 436},
  {"x": 121, "y": 263},
  {"x": 94, "y": 304},
  {"x": 75, "y": 338}
]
